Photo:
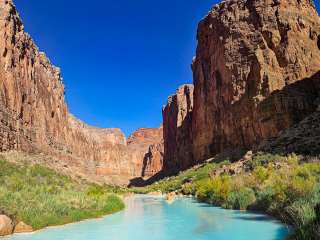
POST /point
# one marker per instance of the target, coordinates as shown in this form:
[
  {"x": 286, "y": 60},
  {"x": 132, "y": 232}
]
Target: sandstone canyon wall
[
  {"x": 34, "y": 117},
  {"x": 146, "y": 144},
  {"x": 247, "y": 50},
  {"x": 177, "y": 119},
  {"x": 255, "y": 83},
  {"x": 254, "y": 77},
  {"x": 303, "y": 137}
]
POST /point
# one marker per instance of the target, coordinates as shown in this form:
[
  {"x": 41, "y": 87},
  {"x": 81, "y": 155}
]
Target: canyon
[
  {"x": 34, "y": 117},
  {"x": 255, "y": 86}
]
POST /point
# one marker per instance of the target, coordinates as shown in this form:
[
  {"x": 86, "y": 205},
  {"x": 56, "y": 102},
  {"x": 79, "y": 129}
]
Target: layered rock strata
[
  {"x": 303, "y": 137},
  {"x": 34, "y": 117},
  {"x": 254, "y": 77},
  {"x": 247, "y": 51},
  {"x": 146, "y": 148},
  {"x": 177, "y": 119}
]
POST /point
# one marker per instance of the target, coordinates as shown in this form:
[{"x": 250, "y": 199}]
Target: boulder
[
  {"x": 171, "y": 197},
  {"x": 21, "y": 227},
  {"x": 6, "y": 225}
]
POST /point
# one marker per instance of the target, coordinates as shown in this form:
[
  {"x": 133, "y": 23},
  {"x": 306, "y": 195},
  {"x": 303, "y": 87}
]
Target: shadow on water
[
  {"x": 282, "y": 233},
  {"x": 254, "y": 218}
]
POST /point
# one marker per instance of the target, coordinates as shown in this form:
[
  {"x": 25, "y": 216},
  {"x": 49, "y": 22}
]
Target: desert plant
[{"x": 40, "y": 197}]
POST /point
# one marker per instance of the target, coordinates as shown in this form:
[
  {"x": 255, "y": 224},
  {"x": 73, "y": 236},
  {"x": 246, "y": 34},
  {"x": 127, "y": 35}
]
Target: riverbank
[
  {"x": 185, "y": 219},
  {"x": 35, "y": 197},
  {"x": 286, "y": 187}
]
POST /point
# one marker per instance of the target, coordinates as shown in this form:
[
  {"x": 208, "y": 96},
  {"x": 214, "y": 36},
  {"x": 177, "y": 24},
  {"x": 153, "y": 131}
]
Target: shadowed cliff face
[
  {"x": 303, "y": 137},
  {"x": 34, "y": 117},
  {"x": 251, "y": 82},
  {"x": 177, "y": 119},
  {"x": 246, "y": 51}
]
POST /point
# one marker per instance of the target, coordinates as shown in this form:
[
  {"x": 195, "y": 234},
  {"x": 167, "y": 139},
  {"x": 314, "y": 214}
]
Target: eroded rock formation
[
  {"x": 303, "y": 137},
  {"x": 254, "y": 78},
  {"x": 153, "y": 160},
  {"x": 34, "y": 117},
  {"x": 146, "y": 144},
  {"x": 248, "y": 50},
  {"x": 177, "y": 119}
]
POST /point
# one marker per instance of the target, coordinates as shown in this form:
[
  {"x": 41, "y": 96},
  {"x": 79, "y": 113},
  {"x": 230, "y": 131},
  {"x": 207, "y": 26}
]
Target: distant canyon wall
[
  {"x": 34, "y": 117},
  {"x": 251, "y": 79}
]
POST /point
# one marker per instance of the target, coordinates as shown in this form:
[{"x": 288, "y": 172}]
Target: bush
[
  {"x": 241, "y": 199},
  {"x": 96, "y": 190},
  {"x": 261, "y": 174},
  {"x": 40, "y": 197},
  {"x": 204, "y": 189},
  {"x": 300, "y": 213},
  {"x": 264, "y": 159},
  {"x": 265, "y": 199},
  {"x": 188, "y": 189}
]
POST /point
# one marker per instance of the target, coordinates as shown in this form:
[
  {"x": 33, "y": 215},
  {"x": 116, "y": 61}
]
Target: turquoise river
[{"x": 152, "y": 218}]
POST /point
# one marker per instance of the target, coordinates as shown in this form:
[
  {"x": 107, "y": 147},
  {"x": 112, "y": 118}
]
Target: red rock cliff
[
  {"x": 177, "y": 119},
  {"x": 147, "y": 144},
  {"x": 248, "y": 50},
  {"x": 34, "y": 116}
]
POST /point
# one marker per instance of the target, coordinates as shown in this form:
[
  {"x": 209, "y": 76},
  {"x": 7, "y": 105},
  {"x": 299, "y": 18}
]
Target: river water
[{"x": 147, "y": 217}]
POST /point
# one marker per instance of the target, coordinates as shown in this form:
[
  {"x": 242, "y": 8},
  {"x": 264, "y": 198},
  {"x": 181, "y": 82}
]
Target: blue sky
[{"x": 121, "y": 59}]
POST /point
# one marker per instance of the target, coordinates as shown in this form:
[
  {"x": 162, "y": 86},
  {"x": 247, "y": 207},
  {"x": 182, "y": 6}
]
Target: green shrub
[
  {"x": 264, "y": 159},
  {"x": 301, "y": 213},
  {"x": 293, "y": 159},
  {"x": 204, "y": 189},
  {"x": 215, "y": 190},
  {"x": 40, "y": 197},
  {"x": 265, "y": 199},
  {"x": 261, "y": 174},
  {"x": 188, "y": 189},
  {"x": 96, "y": 190},
  {"x": 241, "y": 199}
]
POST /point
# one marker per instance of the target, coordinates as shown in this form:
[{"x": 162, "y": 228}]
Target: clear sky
[{"x": 120, "y": 59}]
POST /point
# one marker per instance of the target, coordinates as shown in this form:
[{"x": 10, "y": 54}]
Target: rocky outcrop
[
  {"x": 303, "y": 137},
  {"x": 249, "y": 52},
  {"x": 146, "y": 144},
  {"x": 31, "y": 94},
  {"x": 153, "y": 160},
  {"x": 6, "y": 225},
  {"x": 34, "y": 117},
  {"x": 177, "y": 119},
  {"x": 21, "y": 227}
]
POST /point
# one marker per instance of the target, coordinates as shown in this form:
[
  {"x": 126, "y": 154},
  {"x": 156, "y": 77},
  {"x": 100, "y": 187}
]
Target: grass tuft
[{"x": 40, "y": 197}]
